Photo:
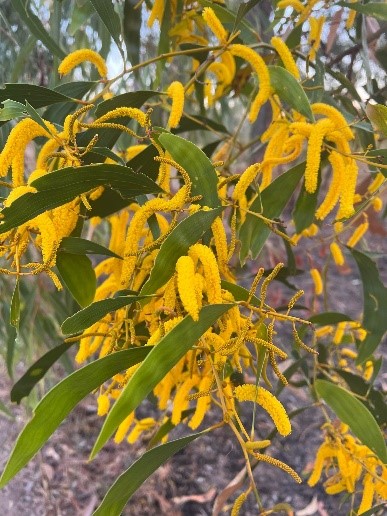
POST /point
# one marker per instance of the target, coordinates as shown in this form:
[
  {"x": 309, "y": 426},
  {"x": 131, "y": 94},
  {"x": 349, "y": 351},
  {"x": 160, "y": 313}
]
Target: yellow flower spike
[
  {"x": 376, "y": 183},
  {"x": 180, "y": 402},
  {"x": 214, "y": 24},
  {"x": 313, "y": 155},
  {"x": 120, "y": 112},
  {"x": 339, "y": 333},
  {"x": 286, "y": 56},
  {"x": 273, "y": 150},
  {"x": 80, "y": 56},
  {"x": 229, "y": 62},
  {"x": 157, "y": 12},
  {"x": 296, "y": 4},
  {"x": 169, "y": 297},
  {"x": 337, "y": 488},
  {"x": 351, "y": 17},
  {"x": 377, "y": 204},
  {"x": 316, "y": 26},
  {"x": 143, "y": 425},
  {"x": 202, "y": 404},
  {"x": 257, "y": 445},
  {"x": 103, "y": 404},
  {"x": 16, "y": 193},
  {"x": 133, "y": 151},
  {"x": 317, "y": 280},
  {"x": 368, "y": 495},
  {"x": 319, "y": 108},
  {"x": 49, "y": 239},
  {"x": 278, "y": 464},
  {"x": 325, "y": 451},
  {"x": 238, "y": 504},
  {"x": 323, "y": 331},
  {"x": 335, "y": 188},
  {"x": 168, "y": 325},
  {"x": 185, "y": 269},
  {"x": 123, "y": 429},
  {"x": 211, "y": 271},
  {"x": 223, "y": 79},
  {"x": 260, "y": 68},
  {"x": 358, "y": 233},
  {"x": 275, "y": 409},
  {"x": 245, "y": 180},
  {"x": 220, "y": 240},
  {"x": 337, "y": 254},
  {"x": 175, "y": 92}
]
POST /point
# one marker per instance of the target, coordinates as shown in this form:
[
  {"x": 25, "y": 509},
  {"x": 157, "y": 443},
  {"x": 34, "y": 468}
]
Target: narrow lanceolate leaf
[
  {"x": 375, "y": 302},
  {"x": 62, "y": 186},
  {"x": 131, "y": 99},
  {"x": 199, "y": 168},
  {"x": 127, "y": 483},
  {"x": 36, "y": 27},
  {"x": 96, "y": 311},
  {"x": 76, "y": 245},
  {"x": 329, "y": 318},
  {"x": 377, "y": 10},
  {"x": 60, "y": 401},
  {"x": 378, "y": 116},
  {"x": 14, "y": 316},
  {"x": 253, "y": 232},
  {"x": 77, "y": 273},
  {"x": 11, "y": 110},
  {"x": 177, "y": 243},
  {"x": 111, "y": 20},
  {"x": 352, "y": 412},
  {"x": 35, "y": 373},
  {"x": 131, "y": 26},
  {"x": 157, "y": 364},
  {"x": 37, "y": 96},
  {"x": 305, "y": 208},
  {"x": 290, "y": 91}
]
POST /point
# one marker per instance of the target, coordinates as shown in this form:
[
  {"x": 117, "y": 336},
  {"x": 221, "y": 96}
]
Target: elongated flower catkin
[
  {"x": 211, "y": 271},
  {"x": 358, "y": 234},
  {"x": 176, "y": 92},
  {"x": 214, "y": 24},
  {"x": 185, "y": 269},
  {"x": 320, "y": 108},
  {"x": 337, "y": 255},
  {"x": 275, "y": 409},
  {"x": 316, "y": 26},
  {"x": 260, "y": 68},
  {"x": 120, "y": 112},
  {"x": 313, "y": 156},
  {"x": 318, "y": 284},
  {"x": 286, "y": 56},
  {"x": 80, "y": 56}
]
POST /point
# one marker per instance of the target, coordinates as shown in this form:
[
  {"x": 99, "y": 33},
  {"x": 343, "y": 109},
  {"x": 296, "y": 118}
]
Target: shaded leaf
[
  {"x": 243, "y": 9},
  {"x": 170, "y": 349},
  {"x": 62, "y": 186},
  {"x": 377, "y": 10},
  {"x": 131, "y": 27},
  {"x": 6, "y": 411},
  {"x": 11, "y": 110},
  {"x": 128, "y": 483},
  {"x": 375, "y": 302},
  {"x": 36, "y": 27},
  {"x": 76, "y": 245},
  {"x": 352, "y": 412},
  {"x": 177, "y": 243},
  {"x": 36, "y": 372},
  {"x": 199, "y": 168},
  {"x": 14, "y": 317},
  {"x": 37, "y": 96},
  {"x": 290, "y": 91},
  {"x": 329, "y": 318},
  {"x": 130, "y": 99},
  {"x": 253, "y": 232},
  {"x": 94, "y": 312},
  {"x": 60, "y": 401},
  {"x": 34, "y": 115},
  {"x": 109, "y": 17},
  {"x": 77, "y": 273}
]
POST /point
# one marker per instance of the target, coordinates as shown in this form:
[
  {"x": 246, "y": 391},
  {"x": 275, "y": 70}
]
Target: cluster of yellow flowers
[{"x": 346, "y": 462}]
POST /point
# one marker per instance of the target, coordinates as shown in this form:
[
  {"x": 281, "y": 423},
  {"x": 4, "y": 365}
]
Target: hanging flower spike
[
  {"x": 319, "y": 108},
  {"x": 80, "y": 56},
  {"x": 316, "y": 26},
  {"x": 337, "y": 255},
  {"x": 275, "y": 409},
  {"x": 260, "y": 68},
  {"x": 157, "y": 12},
  {"x": 318, "y": 284},
  {"x": 103, "y": 404},
  {"x": 335, "y": 188},
  {"x": 211, "y": 271},
  {"x": 286, "y": 56},
  {"x": 358, "y": 233},
  {"x": 215, "y": 24},
  {"x": 238, "y": 504},
  {"x": 313, "y": 155},
  {"x": 296, "y": 4},
  {"x": 175, "y": 91},
  {"x": 185, "y": 269},
  {"x": 120, "y": 112}
]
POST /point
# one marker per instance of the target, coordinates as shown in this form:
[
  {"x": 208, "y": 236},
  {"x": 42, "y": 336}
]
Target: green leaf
[
  {"x": 253, "y": 232},
  {"x": 127, "y": 483},
  {"x": 240, "y": 293},
  {"x": 243, "y": 9},
  {"x": 14, "y": 317},
  {"x": 171, "y": 348},
  {"x": 94, "y": 312},
  {"x": 37, "y": 96},
  {"x": 131, "y": 27},
  {"x": 375, "y": 302},
  {"x": 78, "y": 275},
  {"x": 36, "y": 117},
  {"x": 131, "y": 99},
  {"x": 62, "y": 186},
  {"x": 35, "y": 373},
  {"x": 57, "y": 113},
  {"x": 11, "y": 110},
  {"x": 290, "y": 91},
  {"x": 36, "y": 27},
  {"x": 377, "y": 115},
  {"x": 6, "y": 411},
  {"x": 199, "y": 123},
  {"x": 376, "y": 10},
  {"x": 199, "y": 168},
  {"x": 11, "y": 341},
  {"x": 111, "y": 20},
  {"x": 329, "y": 318},
  {"x": 177, "y": 243},
  {"x": 76, "y": 245},
  {"x": 60, "y": 401},
  {"x": 375, "y": 509},
  {"x": 352, "y": 412}
]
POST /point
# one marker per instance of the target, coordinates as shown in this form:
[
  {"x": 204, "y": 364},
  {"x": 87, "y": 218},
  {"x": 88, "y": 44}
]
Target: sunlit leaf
[
  {"x": 377, "y": 113},
  {"x": 77, "y": 273},
  {"x": 76, "y": 245},
  {"x": 37, "y": 96}
]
